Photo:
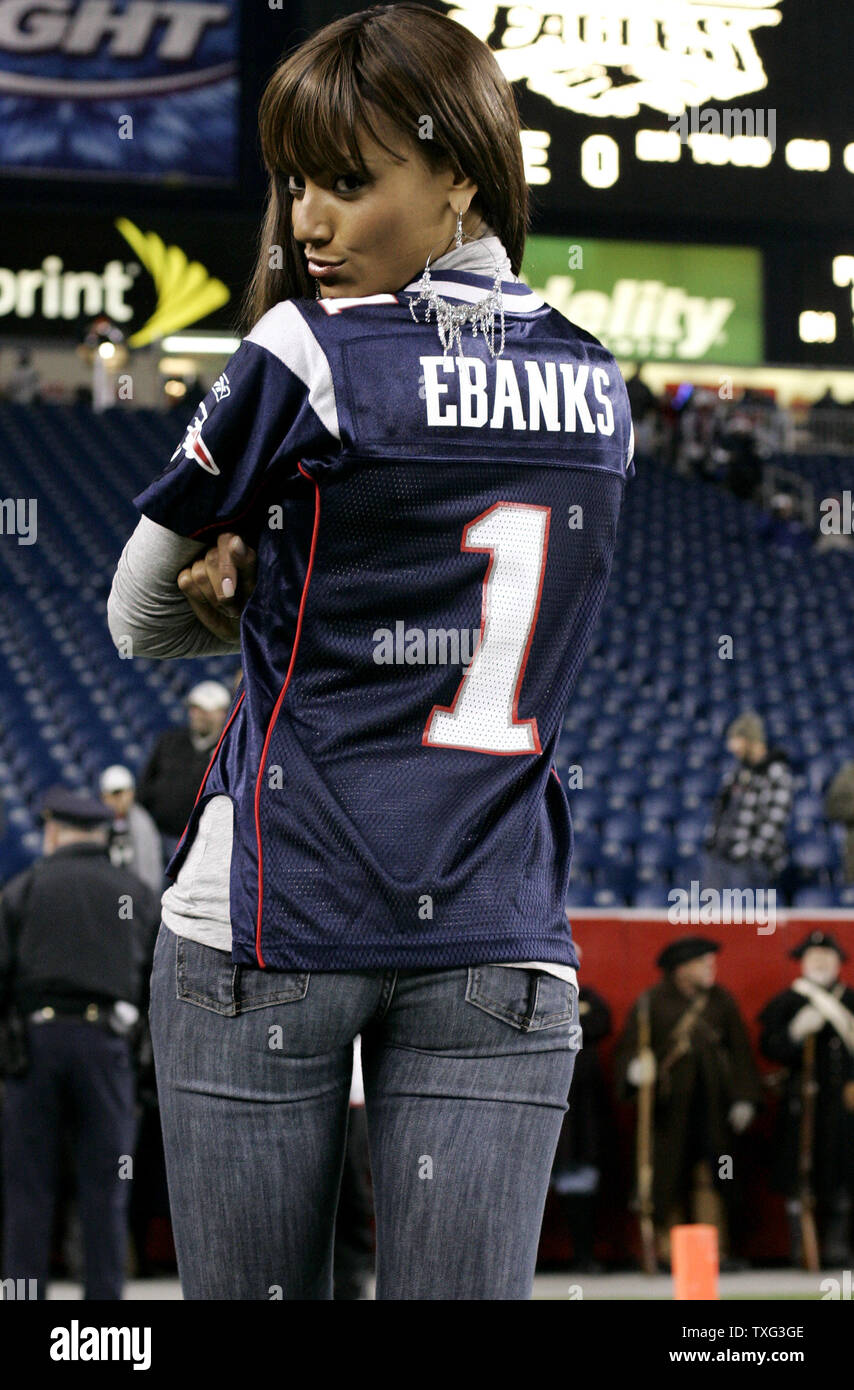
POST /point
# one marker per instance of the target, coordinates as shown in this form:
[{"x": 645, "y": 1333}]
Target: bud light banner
[{"x": 137, "y": 89}]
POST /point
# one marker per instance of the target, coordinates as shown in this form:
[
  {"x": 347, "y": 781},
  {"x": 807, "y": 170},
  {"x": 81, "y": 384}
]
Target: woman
[{"x": 417, "y": 547}]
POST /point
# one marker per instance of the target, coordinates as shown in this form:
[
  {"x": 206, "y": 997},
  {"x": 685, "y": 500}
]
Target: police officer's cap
[
  {"x": 73, "y": 808},
  {"x": 818, "y": 938},
  {"x": 685, "y": 949}
]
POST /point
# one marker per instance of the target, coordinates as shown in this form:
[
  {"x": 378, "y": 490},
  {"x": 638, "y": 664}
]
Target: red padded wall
[{"x": 619, "y": 951}]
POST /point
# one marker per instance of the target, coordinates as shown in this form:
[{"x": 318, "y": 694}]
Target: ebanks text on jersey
[{"x": 460, "y": 391}]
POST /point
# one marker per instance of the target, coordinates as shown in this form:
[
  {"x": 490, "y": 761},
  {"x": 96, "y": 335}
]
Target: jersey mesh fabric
[{"x": 364, "y": 835}]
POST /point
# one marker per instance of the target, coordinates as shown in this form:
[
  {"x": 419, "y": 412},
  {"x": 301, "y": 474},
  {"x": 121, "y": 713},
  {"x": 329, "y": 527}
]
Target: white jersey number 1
[{"x": 482, "y": 716}]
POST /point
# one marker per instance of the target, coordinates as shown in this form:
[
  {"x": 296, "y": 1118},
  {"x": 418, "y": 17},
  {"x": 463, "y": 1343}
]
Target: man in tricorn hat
[
  {"x": 817, "y": 1005},
  {"x": 706, "y": 1085},
  {"x": 76, "y": 939}
]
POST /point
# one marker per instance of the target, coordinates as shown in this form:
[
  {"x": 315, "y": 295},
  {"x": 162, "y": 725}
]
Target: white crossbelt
[{"x": 832, "y": 1010}]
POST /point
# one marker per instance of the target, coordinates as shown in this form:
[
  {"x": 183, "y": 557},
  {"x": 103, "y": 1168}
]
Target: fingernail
[
  {"x": 228, "y": 588},
  {"x": 238, "y": 548}
]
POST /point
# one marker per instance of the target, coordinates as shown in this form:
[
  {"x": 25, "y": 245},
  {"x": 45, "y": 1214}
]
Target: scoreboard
[
  {"x": 681, "y": 111},
  {"x": 697, "y": 122}
]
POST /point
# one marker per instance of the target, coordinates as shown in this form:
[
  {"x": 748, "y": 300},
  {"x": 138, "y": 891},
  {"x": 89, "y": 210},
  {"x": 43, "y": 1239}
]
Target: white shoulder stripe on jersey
[
  {"x": 524, "y": 303},
  {"x": 284, "y": 332}
]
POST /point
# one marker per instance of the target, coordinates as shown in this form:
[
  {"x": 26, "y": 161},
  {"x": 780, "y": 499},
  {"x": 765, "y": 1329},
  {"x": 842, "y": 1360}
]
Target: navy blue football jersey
[{"x": 434, "y": 536}]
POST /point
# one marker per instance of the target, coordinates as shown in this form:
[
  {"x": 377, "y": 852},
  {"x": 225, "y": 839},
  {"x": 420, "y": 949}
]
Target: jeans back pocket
[
  {"x": 529, "y": 1000},
  {"x": 209, "y": 978}
]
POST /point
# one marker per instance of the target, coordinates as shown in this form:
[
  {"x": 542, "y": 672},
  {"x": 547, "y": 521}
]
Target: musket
[
  {"x": 644, "y": 1142},
  {"x": 809, "y": 1240}
]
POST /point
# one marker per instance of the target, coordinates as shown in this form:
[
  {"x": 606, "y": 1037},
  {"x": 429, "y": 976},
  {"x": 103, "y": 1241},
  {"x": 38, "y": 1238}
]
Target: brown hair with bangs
[{"x": 408, "y": 62}]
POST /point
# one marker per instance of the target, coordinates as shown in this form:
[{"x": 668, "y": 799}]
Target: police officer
[
  {"x": 817, "y": 1005},
  {"x": 76, "y": 937}
]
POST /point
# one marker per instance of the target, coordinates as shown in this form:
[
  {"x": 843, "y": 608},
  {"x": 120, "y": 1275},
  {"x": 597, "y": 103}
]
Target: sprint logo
[{"x": 186, "y": 291}]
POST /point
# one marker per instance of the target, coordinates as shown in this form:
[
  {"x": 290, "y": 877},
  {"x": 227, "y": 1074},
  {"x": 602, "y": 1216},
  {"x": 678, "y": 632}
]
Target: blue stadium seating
[
  {"x": 648, "y": 717},
  {"x": 70, "y": 705}
]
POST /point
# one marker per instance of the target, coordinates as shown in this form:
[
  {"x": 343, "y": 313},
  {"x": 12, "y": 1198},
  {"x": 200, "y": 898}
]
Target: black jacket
[
  {"x": 170, "y": 780},
  {"x": 833, "y": 1146},
  {"x": 694, "y": 1093},
  {"x": 752, "y": 811},
  {"x": 74, "y": 929}
]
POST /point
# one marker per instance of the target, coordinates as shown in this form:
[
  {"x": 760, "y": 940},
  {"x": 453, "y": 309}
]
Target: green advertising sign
[{"x": 652, "y": 300}]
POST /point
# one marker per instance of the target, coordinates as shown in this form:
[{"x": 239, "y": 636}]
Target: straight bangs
[{"x": 311, "y": 122}]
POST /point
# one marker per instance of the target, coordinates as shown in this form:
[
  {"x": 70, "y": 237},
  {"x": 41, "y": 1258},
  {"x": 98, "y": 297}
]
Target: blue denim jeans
[{"x": 467, "y": 1073}]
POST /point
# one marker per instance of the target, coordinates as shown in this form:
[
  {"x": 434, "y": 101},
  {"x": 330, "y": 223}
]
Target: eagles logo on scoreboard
[{"x": 597, "y": 61}]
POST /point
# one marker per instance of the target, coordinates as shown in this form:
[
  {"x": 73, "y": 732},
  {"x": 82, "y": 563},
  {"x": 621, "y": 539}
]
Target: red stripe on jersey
[{"x": 274, "y": 716}]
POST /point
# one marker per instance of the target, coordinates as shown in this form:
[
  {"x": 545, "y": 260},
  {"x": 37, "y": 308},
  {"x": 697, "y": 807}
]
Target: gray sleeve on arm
[{"x": 146, "y": 605}]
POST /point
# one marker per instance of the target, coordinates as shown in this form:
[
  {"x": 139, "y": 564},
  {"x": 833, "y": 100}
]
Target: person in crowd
[
  {"x": 780, "y": 526},
  {"x": 744, "y": 465},
  {"x": 814, "y": 1162},
  {"x": 706, "y": 1088},
  {"x": 76, "y": 941},
  {"x": 134, "y": 839},
  {"x": 745, "y": 843},
  {"x": 580, "y": 1157},
  {"x": 647, "y": 420},
  {"x": 839, "y": 806},
  {"x": 827, "y": 401},
  {"x": 104, "y": 349},
  {"x": 24, "y": 385},
  {"x": 174, "y": 771},
  {"x": 641, "y": 398},
  {"x": 698, "y": 426}
]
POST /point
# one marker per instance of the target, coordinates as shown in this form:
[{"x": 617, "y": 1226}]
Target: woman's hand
[{"x": 219, "y": 584}]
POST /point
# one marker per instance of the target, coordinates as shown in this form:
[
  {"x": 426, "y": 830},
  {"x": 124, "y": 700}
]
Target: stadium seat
[{"x": 815, "y": 895}]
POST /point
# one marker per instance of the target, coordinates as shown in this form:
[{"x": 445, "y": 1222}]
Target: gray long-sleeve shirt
[{"x": 146, "y": 611}]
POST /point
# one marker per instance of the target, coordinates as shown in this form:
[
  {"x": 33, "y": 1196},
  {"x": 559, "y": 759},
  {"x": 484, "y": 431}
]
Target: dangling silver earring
[
  {"x": 450, "y": 318},
  {"x": 317, "y": 289}
]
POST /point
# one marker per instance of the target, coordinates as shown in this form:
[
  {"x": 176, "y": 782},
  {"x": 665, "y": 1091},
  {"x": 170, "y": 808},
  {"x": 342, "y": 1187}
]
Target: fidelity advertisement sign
[{"x": 655, "y": 300}]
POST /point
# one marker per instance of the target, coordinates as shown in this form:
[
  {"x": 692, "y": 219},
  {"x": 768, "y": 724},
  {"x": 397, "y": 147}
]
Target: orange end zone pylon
[{"x": 694, "y": 1260}]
